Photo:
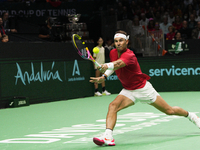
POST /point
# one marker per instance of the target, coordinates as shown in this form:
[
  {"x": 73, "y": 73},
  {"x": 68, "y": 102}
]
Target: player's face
[{"x": 121, "y": 44}]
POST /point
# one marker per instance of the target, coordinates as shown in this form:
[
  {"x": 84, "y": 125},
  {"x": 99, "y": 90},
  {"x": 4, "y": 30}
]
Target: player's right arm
[
  {"x": 118, "y": 64},
  {"x": 113, "y": 65}
]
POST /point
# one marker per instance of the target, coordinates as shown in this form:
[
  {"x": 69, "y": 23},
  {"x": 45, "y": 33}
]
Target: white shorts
[{"x": 147, "y": 94}]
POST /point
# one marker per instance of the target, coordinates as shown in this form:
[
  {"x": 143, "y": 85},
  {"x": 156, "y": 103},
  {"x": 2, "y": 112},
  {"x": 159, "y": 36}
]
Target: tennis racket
[{"x": 82, "y": 50}]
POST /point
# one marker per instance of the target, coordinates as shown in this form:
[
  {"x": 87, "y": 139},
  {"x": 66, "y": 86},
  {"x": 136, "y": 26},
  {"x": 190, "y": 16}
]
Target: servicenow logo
[{"x": 173, "y": 71}]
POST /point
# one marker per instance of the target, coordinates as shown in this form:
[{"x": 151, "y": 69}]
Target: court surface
[{"x": 71, "y": 125}]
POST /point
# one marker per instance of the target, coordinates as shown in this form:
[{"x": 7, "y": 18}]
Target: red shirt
[
  {"x": 131, "y": 75},
  {"x": 177, "y": 26},
  {"x": 170, "y": 36}
]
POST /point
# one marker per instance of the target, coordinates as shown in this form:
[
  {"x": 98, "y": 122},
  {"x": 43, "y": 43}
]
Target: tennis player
[{"x": 136, "y": 87}]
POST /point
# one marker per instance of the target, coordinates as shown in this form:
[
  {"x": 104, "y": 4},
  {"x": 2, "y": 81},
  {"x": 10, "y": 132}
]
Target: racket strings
[{"x": 81, "y": 48}]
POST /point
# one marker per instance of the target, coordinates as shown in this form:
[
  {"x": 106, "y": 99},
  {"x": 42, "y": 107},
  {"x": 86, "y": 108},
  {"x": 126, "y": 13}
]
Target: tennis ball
[
  {"x": 83, "y": 42},
  {"x": 96, "y": 50}
]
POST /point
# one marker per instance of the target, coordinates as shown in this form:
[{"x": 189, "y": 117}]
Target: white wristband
[
  {"x": 110, "y": 66},
  {"x": 108, "y": 72}
]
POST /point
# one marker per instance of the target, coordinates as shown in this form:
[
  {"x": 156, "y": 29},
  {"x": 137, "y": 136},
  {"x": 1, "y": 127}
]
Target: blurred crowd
[
  {"x": 177, "y": 19},
  {"x": 43, "y": 0}
]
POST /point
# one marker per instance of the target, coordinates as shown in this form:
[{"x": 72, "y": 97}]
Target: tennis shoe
[
  {"x": 106, "y": 93},
  {"x": 97, "y": 93},
  {"x": 104, "y": 141},
  {"x": 195, "y": 119}
]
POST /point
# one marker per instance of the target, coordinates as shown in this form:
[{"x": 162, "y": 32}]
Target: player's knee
[{"x": 113, "y": 106}]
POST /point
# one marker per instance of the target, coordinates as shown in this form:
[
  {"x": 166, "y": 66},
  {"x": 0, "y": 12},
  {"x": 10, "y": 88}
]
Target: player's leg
[
  {"x": 97, "y": 93},
  {"x": 162, "y": 105},
  {"x": 116, "y": 105},
  {"x": 119, "y": 103}
]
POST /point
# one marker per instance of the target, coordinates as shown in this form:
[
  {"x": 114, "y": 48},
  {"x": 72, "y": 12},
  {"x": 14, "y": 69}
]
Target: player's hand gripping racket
[{"x": 82, "y": 50}]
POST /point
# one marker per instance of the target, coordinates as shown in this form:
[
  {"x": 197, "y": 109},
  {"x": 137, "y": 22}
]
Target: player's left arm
[{"x": 118, "y": 64}]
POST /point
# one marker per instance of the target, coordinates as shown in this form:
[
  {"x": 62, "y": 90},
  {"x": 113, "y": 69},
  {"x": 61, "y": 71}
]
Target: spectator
[
  {"x": 165, "y": 25},
  {"x": 165, "y": 14},
  {"x": 177, "y": 23},
  {"x": 171, "y": 17},
  {"x": 182, "y": 6},
  {"x": 158, "y": 33},
  {"x": 109, "y": 44},
  {"x": 171, "y": 33},
  {"x": 137, "y": 32},
  {"x": 149, "y": 12},
  {"x": 144, "y": 21},
  {"x": 177, "y": 11},
  {"x": 196, "y": 32},
  {"x": 151, "y": 25},
  {"x": 147, "y": 5},
  {"x": 45, "y": 31},
  {"x": 54, "y": 3},
  {"x": 198, "y": 17},
  {"x": 189, "y": 9},
  {"x": 198, "y": 10},
  {"x": 177, "y": 36},
  {"x": 156, "y": 7},
  {"x": 195, "y": 5},
  {"x": 195, "y": 15},
  {"x": 162, "y": 11},
  {"x": 137, "y": 11},
  {"x": 3, "y": 36},
  {"x": 158, "y": 17},
  {"x": 124, "y": 15},
  {"x": 8, "y": 24},
  {"x": 192, "y": 23},
  {"x": 185, "y": 16},
  {"x": 2, "y": 30},
  {"x": 133, "y": 7},
  {"x": 119, "y": 8},
  {"x": 185, "y": 31}
]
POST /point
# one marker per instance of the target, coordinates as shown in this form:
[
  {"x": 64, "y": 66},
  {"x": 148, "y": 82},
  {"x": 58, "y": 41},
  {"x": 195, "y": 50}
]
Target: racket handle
[{"x": 98, "y": 65}]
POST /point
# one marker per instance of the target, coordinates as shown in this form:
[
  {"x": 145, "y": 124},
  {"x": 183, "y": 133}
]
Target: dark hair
[
  {"x": 149, "y": 27},
  {"x": 177, "y": 33},
  {"x": 99, "y": 38},
  {"x": 173, "y": 29},
  {"x": 121, "y": 31}
]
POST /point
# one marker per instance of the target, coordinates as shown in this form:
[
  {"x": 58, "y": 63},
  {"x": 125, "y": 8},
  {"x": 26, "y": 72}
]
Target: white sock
[
  {"x": 191, "y": 116},
  {"x": 109, "y": 132}
]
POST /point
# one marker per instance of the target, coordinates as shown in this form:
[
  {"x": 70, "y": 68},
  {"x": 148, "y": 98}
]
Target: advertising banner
[
  {"x": 41, "y": 78},
  {"x": 173, "y": 73},
  {"x": 43, "y": 81}
]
